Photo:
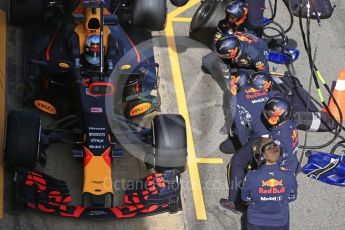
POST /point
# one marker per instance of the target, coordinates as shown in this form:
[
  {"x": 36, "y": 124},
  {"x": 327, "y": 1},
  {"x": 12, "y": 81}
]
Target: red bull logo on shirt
[
  {"x": 272, "y": 184},
  {"x": 253, "y": 93}
]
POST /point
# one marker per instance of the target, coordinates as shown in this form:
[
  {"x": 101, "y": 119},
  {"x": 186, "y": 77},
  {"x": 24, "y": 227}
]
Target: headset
[{"x": 259, "y": 150}]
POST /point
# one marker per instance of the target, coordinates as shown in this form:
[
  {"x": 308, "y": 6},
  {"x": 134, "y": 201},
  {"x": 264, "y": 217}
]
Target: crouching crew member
[
  {"x": 250, "y": 101},
  {"x": 242, "y": 15},
  {"x": 269, "y": 189},
  {"x": 277, "y": 113},
  {"x": 249, "y": 96},
  {"x": 243, "y": 51},
  {"x": 277, "y": 117},
  {"x": 236, "y": 13}
]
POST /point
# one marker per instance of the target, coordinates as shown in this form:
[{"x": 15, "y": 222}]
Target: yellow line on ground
[
  {"x": 181, "y": 19},
  {"x": 183, "y": 110},
  {"x": 209, "y": 161},
  {"x": 2, "y": 103}
]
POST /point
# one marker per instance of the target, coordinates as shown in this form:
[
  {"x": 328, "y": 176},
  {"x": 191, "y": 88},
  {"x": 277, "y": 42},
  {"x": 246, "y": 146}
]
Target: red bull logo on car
[{"x": 273, "y": 185}]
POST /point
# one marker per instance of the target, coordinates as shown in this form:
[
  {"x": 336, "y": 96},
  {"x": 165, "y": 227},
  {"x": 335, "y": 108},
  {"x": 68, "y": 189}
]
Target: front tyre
[
  {"x": 22, "y": 146},
  {"x": 150, "y": 14},
  {"x": 169, "y": 142}
]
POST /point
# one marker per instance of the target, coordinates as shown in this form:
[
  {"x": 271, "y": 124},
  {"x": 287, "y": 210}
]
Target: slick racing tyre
[
  {"x": 26, "y": 11},
  {"x": 205, "y": 21},
  {"x": 22, "y": 145},
  {"x": 150, "y": 14},
  {"x": 169, "y": 142}
]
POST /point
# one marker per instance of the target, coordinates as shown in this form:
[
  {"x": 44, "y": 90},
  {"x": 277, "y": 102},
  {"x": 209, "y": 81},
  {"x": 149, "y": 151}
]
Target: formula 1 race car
[{"x": 83, "y": 70}]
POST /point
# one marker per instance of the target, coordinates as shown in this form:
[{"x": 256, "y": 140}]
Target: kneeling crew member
[
  {"x": 235, "y": 15},
  {"x": 277, "y": 113},
  {"x": 247, "y": 53},
  {"x": 249, "y": 96},
  {"x": 277, "y": 117}
]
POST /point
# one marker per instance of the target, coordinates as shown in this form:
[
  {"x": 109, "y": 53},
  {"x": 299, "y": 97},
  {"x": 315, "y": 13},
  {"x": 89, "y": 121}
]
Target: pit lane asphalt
[{"x": 319, "y": 206}]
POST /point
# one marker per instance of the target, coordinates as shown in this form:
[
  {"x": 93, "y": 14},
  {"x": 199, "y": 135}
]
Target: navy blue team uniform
[
  {"x": 225, "y": 28},
  {"x": 286, "y": 134},
  {"x": 255, "y": 17},
  {"x": 269, "y": 189},
  {"x": 248, "y": 104},
  {"x": 253, "y": 22},
  {"x": 252, "y": 52},
  {"x": 250, "y": 58},
  {"x": 248, "y": 126}
]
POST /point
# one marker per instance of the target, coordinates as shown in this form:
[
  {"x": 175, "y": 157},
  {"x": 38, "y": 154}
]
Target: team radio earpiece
[{"x": 259, "y": 150}]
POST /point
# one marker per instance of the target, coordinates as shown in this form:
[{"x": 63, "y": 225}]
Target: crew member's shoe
[
  {"x": 204, "y": 69},
  {"x": 229, "y": 205},
  {"x": 227, "y": 147}
]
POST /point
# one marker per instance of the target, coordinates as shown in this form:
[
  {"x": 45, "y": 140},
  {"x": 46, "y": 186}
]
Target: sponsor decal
[
  {"x": 233, "y": 85},
  {"x": 251, "y": 90},
  {"x": 275, "y": 187},
  {"x": 272, "y": 183},
  {"x": 267, "y": 85},
  {"x": 140, "y": 109},
  {"x": 126, "y": 67},
  {"x": 97, "y": 213},
  {"x": 245, "y": 37},
  {"x": 294, "y": 138},
  {"x": 94, "y": 128},
  {"x": 64, "y": 65},
  {"x": 272, "y": 190},
  {"x": 97, "y": 134},
  {"x": 96, "y": 110},
  {"x": 96, "y": 140},
  {"x": 45, "y": 107},
  {"x": 233, "y": 53},
  {"x": 96, "y": 146},
  {"x": 243, "y": 61},
  {"x": 276, "y": 198},
  {"x": 260, "y": 100},
  {"x": 254, "y": 93},
  {"x": 274, "y": 119}
]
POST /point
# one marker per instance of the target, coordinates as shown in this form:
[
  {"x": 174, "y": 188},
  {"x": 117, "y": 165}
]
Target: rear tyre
[
  {"x": 169, "y": 142},
  {"x": 22, "y": 140},
  {"x": 26, "y": 11},
  {"x": 205, "y": 21},
  {"x": 150, "y": 14}
]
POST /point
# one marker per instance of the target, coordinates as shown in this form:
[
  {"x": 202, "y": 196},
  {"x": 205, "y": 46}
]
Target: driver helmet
[{"x": 92, "y": 50}]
